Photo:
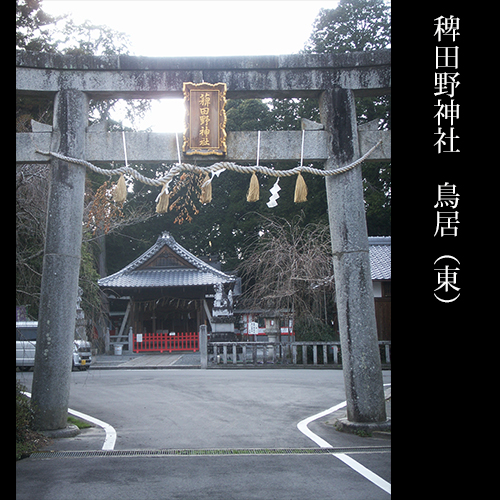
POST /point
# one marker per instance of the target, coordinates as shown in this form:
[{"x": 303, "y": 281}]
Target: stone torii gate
[{"x": 335, "y": 78}]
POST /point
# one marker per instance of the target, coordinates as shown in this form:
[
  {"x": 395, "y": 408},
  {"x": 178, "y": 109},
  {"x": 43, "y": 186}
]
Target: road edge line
[
  {"x": 109, "y": 440},
  {"x": 349, "y": 461}
]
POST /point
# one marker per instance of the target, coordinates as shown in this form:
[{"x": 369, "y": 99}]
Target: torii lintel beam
[
  {"x": 149, "y": 147},
  {"x": 296, "y": 75}
]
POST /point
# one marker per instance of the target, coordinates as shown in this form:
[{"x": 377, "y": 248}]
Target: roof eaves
[{"x": 165, "y": 239}]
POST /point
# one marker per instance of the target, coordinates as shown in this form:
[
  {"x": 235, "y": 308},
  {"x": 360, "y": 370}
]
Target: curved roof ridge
[
  {"x": 186, "y": 254},
  {"x": 166, "y": 239}
]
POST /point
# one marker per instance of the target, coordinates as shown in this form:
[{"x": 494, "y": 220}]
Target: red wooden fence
[{"x": 164, "y": 342}]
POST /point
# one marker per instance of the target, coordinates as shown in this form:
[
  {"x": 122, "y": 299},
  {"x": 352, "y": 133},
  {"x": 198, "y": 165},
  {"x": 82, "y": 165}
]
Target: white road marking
[
  {"x": 109, "y": 441},
  {"x": 302, "y": 425},
  {"x": 361, "y": 469},
  {"x": 353, "y": 464}
]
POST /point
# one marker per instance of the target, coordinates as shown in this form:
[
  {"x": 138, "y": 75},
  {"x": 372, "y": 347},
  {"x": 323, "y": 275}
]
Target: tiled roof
[
  {"x": 162, "y": 278},
  {"x": 380, "y": 257},
  {"x": 132, "y": 276}
]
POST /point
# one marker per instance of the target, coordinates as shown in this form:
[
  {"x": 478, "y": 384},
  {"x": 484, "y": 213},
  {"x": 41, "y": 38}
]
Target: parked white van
[{"x": 26, "y": 345}]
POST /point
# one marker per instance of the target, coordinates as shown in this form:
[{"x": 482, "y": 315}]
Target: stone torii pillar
[
  {"x": 61, "y": 264},
  {"x": 353, "y": 286}
]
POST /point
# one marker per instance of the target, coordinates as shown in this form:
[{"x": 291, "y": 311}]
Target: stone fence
[{"x": 249, "y": 354}]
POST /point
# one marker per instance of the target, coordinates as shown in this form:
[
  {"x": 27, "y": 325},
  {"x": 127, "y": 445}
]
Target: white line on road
[
  {"x": 109, "y": 441},
  {"x": 361, "y": 469},
  {"x": 302, "y": 425}
]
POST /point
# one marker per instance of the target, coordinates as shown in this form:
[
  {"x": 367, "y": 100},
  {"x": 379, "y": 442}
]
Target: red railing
[{"x": 166, "y": 342}]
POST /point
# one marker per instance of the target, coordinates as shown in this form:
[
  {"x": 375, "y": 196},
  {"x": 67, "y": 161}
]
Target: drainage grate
[{"x": 208, "y": 452}]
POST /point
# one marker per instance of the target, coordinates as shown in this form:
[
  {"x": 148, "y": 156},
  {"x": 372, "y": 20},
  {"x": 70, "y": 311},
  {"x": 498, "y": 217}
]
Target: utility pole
[
  {"x": 61, "y": 264},
  {"x": 354, "y": 290}
]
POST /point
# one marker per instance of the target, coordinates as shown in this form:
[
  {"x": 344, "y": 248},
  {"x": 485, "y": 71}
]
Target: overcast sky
[{"x": 199, "y": 28}]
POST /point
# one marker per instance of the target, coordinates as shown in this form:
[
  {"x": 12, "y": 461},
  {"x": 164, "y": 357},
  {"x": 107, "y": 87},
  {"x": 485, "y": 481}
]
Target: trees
[
  {"x": 361, "y": 25},
  {"x": 30, "y": 24},
  {"x": 31, "y": 206},
  {"x": 289, "y": 268},
  {"x": 355, "y": 25},
  {"x": 222, "y": 225},
  {"x": 248, "y": 114},
  {"x": 37, "y": 31},
  {"x": 281, "y": 265},
  {"x": 226, "y": 224}
]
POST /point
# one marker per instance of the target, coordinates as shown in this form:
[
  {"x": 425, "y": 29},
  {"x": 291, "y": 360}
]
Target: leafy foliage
[
  {"x": 37, "y": 31},
  {"x": 27, "y": 440},
  {"x": 30, "y": 23},
  {"x": 354, "y": 26},
  {"x": 102, "y": 210},
  {"x": 248, "y": 114},
  {"x": 362, "y": 25},
  {"x": 228, "y": 224},
  {"x": 90, "y": 39}
]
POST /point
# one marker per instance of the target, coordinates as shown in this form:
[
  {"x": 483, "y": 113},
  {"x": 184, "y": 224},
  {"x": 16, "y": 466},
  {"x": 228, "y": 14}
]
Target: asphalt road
[
  {"x": 187, "y": 478},
  {"x": 195, "y": 409}
]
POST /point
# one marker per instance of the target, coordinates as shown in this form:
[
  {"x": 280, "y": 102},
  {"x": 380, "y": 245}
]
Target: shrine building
[{"x": 167, "y": 291}]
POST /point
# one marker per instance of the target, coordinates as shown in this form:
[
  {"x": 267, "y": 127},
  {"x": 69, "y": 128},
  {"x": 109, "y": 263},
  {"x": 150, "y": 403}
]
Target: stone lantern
[
  {"x": 222, "y": 315},
  {"x": 272, "y": 321}
]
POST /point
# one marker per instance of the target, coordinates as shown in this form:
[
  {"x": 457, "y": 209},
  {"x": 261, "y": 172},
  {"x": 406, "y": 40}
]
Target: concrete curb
[
  {"x": 69, "y": 431},
  {"x": 369, "y": 428},
  {"x": 376, "y": 429}
]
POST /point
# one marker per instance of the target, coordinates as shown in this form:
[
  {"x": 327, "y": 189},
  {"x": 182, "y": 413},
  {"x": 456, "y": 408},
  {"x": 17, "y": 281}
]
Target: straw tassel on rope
[
  {"x": 206, "y": 190},
  {"x": 300, "y": 190},
  {"x": 300, "y": 195},
  {"x": 253, "y": 191},
  {"x": 163, "y": 199},
  {"x": 120, "y": 191}
]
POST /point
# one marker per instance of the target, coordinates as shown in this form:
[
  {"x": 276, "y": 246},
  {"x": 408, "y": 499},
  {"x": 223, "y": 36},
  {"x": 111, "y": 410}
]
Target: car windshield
[{"x": 26, "y": 333}]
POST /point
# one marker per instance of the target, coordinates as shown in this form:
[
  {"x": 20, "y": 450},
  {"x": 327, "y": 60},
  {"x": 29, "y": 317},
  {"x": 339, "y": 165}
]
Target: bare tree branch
[{"x": 290, "y": 267}]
